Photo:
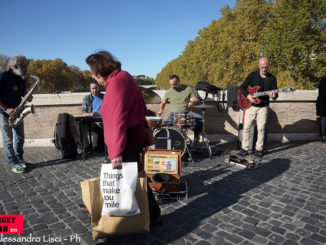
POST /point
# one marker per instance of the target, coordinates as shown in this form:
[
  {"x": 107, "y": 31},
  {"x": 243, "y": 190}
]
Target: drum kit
[{"x": 174, "y": 135}]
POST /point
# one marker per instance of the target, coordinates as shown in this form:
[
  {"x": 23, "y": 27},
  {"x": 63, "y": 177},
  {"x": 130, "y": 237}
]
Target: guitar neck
[{"x": 266, "y": 92}]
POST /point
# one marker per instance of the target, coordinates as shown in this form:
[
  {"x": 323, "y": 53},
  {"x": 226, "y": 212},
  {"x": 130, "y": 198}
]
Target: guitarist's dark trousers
[{"x": 260, "y": 114}]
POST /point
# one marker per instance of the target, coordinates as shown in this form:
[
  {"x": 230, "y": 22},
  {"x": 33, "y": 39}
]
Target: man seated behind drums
[
  {"x": 91, "y": 107},
  {"x": 181, "y": 98}
]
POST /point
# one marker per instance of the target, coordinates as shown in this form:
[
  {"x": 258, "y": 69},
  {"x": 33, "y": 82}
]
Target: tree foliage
[
  {"x": 55, "y": 75},
  {"x": 290, "y": 33},
  {"x": 4, "y": 59},
  {"x": 144, "y": 80}
]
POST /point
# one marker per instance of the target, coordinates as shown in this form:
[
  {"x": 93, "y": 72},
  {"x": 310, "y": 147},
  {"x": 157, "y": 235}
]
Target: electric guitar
[{"x": 245, "y": 103}]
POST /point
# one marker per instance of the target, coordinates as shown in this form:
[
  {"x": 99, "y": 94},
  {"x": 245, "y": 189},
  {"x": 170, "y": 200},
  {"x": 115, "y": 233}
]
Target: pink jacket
[{"x": 123, "y": 110}]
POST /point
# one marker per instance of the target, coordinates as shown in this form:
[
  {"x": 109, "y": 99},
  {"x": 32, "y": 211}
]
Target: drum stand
[
  {"x": 188, "y": 145},
  {"x": 202, "y": 137}
]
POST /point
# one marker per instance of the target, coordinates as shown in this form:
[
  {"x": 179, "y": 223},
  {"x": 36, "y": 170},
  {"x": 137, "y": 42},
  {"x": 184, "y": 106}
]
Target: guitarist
[{"x": 259, "y": 107}]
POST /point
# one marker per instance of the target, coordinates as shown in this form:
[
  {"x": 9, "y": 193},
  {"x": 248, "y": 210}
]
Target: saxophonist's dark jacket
[{"x": 12, "y": 89}]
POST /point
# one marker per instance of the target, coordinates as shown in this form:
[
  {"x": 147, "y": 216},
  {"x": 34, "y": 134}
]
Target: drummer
[{"x": 181, "y": 98}]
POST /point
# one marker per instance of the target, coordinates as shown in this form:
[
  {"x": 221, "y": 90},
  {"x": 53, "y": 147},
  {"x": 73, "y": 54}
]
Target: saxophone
[{"x": 16, "y": 121}]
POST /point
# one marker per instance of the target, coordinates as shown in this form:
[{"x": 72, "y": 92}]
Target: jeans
[{"x": 12, "y": 140}]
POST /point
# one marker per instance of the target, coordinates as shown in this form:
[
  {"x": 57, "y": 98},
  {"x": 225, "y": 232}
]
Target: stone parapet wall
[{"x": 291, "y": 117}]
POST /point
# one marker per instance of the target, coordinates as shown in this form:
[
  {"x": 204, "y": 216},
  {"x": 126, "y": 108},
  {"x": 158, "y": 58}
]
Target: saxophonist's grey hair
[{"x": 15, "y": 61}]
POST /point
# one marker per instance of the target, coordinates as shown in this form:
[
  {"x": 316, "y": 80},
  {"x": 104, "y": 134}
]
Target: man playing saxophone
[{"x": 12, "y": 89}]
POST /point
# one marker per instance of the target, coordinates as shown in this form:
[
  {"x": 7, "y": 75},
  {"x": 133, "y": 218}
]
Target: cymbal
[
  {"x": 204, "y": 106},
  {"x": 150, "y": 96}
]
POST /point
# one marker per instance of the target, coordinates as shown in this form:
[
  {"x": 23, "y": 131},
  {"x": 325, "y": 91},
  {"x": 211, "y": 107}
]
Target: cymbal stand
[
  {"x": 183, "y": 131},
  {"x": 188, "y": 144},
  {"x": 205, "y": 143}
]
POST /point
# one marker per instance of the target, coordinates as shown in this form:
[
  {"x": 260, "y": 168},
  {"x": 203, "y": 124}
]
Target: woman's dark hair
[{"x": 102, "y": 63}]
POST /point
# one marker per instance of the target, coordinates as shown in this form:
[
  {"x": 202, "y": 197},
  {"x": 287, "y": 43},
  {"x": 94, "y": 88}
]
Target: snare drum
[
  {"x": 154, "y": 122},
  {"x": 183, "y": 120}
]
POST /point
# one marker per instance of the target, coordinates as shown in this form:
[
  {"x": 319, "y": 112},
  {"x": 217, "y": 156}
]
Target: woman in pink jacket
[{"x": 124, "y": 116}]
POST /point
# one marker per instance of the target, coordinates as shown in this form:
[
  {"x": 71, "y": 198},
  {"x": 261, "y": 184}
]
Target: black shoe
[
  {"x": 243, "y": 152},
  {"x": 259, "y": 153},
  {"x": 323, "y": 139},
  {"x": 157, "y": 222}
]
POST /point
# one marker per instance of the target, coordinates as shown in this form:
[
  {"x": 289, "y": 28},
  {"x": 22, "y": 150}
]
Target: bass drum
[{"x": 170, "y": 139}]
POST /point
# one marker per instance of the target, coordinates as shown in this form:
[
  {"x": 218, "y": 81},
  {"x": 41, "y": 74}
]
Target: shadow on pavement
[
  {"x": 57, "y": 162},
  {"x": 274, "y": 147},
  {"x": 205, "y": 200}
]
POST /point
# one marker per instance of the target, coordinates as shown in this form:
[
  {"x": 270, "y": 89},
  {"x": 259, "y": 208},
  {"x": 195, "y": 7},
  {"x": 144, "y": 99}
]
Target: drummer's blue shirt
[{"x": 96, "y": 104}]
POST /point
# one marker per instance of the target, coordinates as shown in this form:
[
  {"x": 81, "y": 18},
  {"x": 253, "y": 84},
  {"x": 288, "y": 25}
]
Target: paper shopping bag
[{"x": 108, "y": 226}]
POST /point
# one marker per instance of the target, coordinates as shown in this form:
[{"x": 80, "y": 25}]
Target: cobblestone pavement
[{"x": 282, "y": 202}]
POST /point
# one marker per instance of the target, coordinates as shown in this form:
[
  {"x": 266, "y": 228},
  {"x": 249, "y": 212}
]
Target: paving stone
[
  {"x": 261, "y": 217},
  {"x": 317, "y": 216},
  {"x": 311, "y": 228},
  {"x": 288, "y": 213},
  {"x": 209, "y": 228},
  {"x": 290, "y": 242},
  {"x": 247, "y": 234},
  {"x": 77, "y": 227},
  {"x": 309, "y": 220},
  {"x": 318, "y": 238},
  {"x": 292, "y": 237},
  {"x": 290, "y": 227},
  {"x": 279, "y": 203},
  {"x": 251, "y": 220},
  {"x": 202, "y": 243},
  {"x": 276, "y": 238},
  {"x": 234, "y": 239},
  {"x": 204, "y": 235},
  {"x": 259, "y": 239},
  {"x": 307, "y": 241},
  {"x": 278, "y": 230}
]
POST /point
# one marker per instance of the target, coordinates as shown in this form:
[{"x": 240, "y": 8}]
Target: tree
[
  {"x": 4, "y": 60},
  {"x": 56, "y": 76},
  {"x": 295, "y": 40},
  {"x": 290, "y": 33}
]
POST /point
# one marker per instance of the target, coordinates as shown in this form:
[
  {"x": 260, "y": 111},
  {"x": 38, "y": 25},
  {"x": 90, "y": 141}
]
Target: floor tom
[{"x": 170, "y": 139}]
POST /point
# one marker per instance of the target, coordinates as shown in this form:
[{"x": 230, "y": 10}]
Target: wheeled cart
[
  {"x": 163, "y": 171},
  {"x": 179, "y": 195}
]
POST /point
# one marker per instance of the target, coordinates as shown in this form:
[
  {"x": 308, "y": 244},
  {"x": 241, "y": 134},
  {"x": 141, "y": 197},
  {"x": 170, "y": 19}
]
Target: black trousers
[
  {"x": 132, "y": 154},
  {"x": 97, "y": 135},
  {"x": 322, "y": 126}
]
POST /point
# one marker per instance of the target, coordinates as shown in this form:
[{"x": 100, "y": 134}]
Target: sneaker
[
  {"x": 23, "y": 164},
  {"x": 17, "y": 169},
  {"x": 243, "y": 152},
  {"x": 259, "y": 153}
]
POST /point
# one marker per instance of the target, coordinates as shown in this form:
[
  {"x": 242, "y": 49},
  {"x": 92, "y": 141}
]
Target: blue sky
[{"x": 143, "y": 34}]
